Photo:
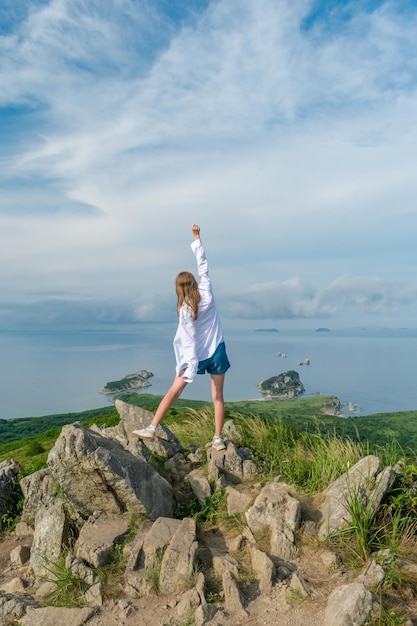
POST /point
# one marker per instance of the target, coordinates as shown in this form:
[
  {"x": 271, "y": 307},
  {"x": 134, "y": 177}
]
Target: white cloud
[{"x": 293, "y": 146}]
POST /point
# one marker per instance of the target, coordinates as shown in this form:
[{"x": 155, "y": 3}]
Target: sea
[{"x": 62, "y": 370}]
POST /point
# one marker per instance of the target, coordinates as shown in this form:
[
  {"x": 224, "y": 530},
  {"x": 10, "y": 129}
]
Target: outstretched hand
[{"x": 196, "y": 231}]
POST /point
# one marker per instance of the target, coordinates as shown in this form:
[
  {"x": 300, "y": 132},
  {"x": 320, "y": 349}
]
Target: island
[
  {"x": 138, "y": 380},
  {"x": 286, "y": 385},
  {"x": 266, "y": 330},
  {"x": 322, "y": 330}
]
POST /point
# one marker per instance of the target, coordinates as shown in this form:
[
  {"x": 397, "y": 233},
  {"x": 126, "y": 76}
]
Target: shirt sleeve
[
  {"x": 200, "y": 255},
  {"x": 189, "y": 353}
]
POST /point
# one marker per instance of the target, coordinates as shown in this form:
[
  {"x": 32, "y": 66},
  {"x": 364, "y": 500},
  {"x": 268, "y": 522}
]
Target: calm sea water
[{"x": 56, "y": 371}]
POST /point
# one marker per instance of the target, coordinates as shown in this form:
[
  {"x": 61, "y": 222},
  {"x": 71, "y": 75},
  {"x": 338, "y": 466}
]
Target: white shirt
[{"x": 197, "y": 340}]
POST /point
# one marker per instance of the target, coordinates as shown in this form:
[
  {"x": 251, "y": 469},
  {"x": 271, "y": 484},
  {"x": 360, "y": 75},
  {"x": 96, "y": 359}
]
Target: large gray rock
[
  {"x": 233, "y": 464},
  {"x": 51, "y": 616},
  {"x": 97, "y": 474},
  {"x": 13, "y": 606},
  {"x": 9, "y": 472},
  {"x": 132, "y": 418},
  {"x": 179, "y": 558},
  {"x": 349, "y": 605},
  {"x": 51, "y": 533},
  {"x": 98, "y": 537},
  {"x": 40, "y": 492},
  {"x": 264, "y": 569},
  {"x": 362, "y": 482}
]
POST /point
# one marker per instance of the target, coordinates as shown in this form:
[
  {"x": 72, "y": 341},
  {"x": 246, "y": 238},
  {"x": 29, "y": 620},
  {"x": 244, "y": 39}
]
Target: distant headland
[
  {"x": 322, "y": 330},
  {"x": 266, "y": 330},
  {"x": 138, "y": 380}
]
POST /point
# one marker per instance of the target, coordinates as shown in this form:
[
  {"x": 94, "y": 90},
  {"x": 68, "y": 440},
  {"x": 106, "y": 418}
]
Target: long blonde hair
[{"x": 186, "y": 287}]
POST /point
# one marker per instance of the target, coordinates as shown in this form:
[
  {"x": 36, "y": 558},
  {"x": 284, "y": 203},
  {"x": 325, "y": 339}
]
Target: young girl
[{"x": 198, "y": 343}]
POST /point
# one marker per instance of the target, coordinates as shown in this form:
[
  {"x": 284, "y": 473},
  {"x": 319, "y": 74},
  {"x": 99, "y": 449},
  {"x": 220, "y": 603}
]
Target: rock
[
  {"x": 94, "y": 595},
  {"x": 80, "y": 570},
  {"x": 229, "y": 463},
  {"x": 98, "y": 537},
  {"x": 231, "y": 431},
  {"x": 233, "y": 599},
  {"x": 263, "y": 568},
  {"x": 282, "y": 540},
  {"x": 9, "y": 472},
  {"x": 274, "y": 502},
  {"x": 133, "y": 417},
  {"x": 329, "y": 559},
  {"x": 237, "y": 501},
  {"x": 372, "y": 576},
  {"x": 299, "y": 585},
  {"x": 359, "y": 481},
  {"x": 223, "y": 563},
  {"x": 51, "y": 533},
  {"x": 51, "y": 616},
  {"x": 14, "y": 585},
  {"x": 200, "y": 485},
  {"x": 45, "y": 589},
  {"x": 20, "y": 555},
  {"x": 286, "y": 385},
  {"x": 40, "y": 492},
  {"x": 347, "y": 605},
  {"x": 179, "y": 558},
  {"x": 186, "y": 607},
  {"x": 23, "y": 529},
  {"x": 13, "y": 606},
  {"x": 145, "y": 555},
  {"x": 98, "y": 474}
]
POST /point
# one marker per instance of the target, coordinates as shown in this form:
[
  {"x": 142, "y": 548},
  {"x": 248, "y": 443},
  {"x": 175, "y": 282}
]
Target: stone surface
[
  {"x": 349, "y": 605},
  {"x": 98, "y": 537},
  {"x": 237, "y": 501},
  {"x": 14, "y": 585},
  {"x": 274, "y": 502},
  {"x": 94, "y": 595},
  {"x": 233, "y": 598},
  {"x": 9, "y": 472},
  {"x": 357, "y": 482},
  {"x": 179, "y": 558},
  {"x": 282, "y": 540},
  {"x": 98, "y": 474},
  {"x": 223, "y": 563},
  {"x": 264, "y": 569},
  {"x": 40, "y": 492},
  {"x": 20, "y": 555},
  {"x": 372, "y": 576},
  {"x": 51, "y": 616},
  {"x": 229, "y": 463},
  {"x": 13, "y": 606},
  {"x": 51, "y": 533},
  {"x": 80, "y": 570},
  {"x": 199, "y": 484}
]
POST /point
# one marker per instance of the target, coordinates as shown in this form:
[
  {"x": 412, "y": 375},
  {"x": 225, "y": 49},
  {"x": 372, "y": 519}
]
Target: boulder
[
  {"x": 98, "y": 537},
  {"x": 233, "y": 598},
  {"x": 97, "y": 474},
  {"x": 9, "y": 472},
  {"x": 372, "y": 576},
  {"x": 51, "y": 616},
  {"x": 20, "y": 555},
  {"x": 359, "y": 482},
  {"x": 264, "y": 569},
  {"x": 80, "y": 570},
  {"x": 233, "y": 464},
  {"x": 40, "y": 492},
  {"x": 179, "y": 559},
  {"x": 51, "y": 533},
  {"x": 13, "y": 606},
  {"x": 237, "y": 501},
  {"x": 349, "y": 604},
  {"x": 199, "y": 484}
]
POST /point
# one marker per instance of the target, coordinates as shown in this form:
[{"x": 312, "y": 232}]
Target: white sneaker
[
  {"x": 218, "y": 443},
  {"x": 145, "y": 433}
]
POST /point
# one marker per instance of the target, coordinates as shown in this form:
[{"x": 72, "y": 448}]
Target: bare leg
[
  {"x": 168, "y": 400},
  {"x": 217, "y": 382}
]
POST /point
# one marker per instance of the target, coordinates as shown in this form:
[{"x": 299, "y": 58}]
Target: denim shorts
[{"x": 216, "y": 364}]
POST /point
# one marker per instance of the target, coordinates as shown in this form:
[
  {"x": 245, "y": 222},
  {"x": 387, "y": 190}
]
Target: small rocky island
[
  {"x": 286, "y": 385},
  {"x": 138, "y": 380}
]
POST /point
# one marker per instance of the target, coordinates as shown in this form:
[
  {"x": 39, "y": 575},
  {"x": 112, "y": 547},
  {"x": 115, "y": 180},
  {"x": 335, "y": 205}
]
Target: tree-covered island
[{"x": 138, "y": 380}]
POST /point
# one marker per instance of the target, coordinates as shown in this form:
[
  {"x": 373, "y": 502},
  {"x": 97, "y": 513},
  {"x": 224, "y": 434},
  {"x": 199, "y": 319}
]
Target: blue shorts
[{"x": 216, "y": 364}]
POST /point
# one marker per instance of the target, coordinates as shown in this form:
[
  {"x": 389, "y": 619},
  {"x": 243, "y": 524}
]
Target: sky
[{"x": 286, "y": 129}]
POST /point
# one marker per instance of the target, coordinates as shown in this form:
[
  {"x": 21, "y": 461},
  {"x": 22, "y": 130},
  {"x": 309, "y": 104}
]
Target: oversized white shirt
[{"x": 197, "y": 340}]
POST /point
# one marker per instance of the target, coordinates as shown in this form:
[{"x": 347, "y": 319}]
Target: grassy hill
[{"x": 28, "y": 440}]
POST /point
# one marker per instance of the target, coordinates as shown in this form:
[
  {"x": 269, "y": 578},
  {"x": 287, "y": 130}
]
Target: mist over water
[{"x": 61, "y": 371}]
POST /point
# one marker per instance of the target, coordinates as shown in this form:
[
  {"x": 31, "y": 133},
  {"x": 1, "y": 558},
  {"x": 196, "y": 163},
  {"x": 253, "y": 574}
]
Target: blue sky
[{"x": 288, "y": 130}]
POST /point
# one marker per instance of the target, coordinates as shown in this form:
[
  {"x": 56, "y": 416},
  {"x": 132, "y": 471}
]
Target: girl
[{"x": 198, "y": 343}]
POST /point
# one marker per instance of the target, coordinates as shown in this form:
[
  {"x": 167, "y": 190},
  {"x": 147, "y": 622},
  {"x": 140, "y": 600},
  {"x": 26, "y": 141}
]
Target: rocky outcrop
[
  {"x": 79, "y": 510},
  {"x": 137, "y": 380},
  {"x": 9, "y": 472},
  {"x": 96, "y": 473}
]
